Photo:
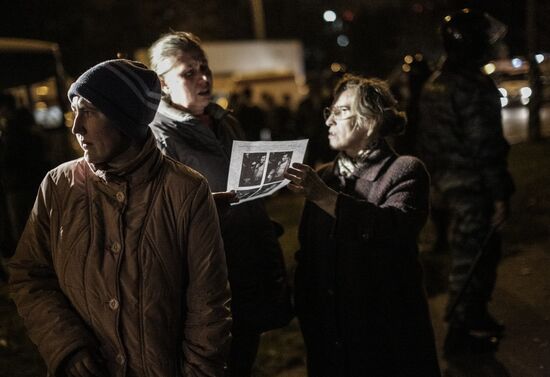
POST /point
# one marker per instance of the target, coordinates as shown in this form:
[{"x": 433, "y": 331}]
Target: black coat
[
  {"x": 257, "y": 275},
  {"x": 359, "y": 292}
]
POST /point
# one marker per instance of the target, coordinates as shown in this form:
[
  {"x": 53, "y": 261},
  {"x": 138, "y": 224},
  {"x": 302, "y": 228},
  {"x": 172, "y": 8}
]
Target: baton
[{"x": 481, "y": 251}]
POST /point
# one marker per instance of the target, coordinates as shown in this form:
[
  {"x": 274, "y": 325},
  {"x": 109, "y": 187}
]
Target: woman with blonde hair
[
  {"x": 359, "y": 293},
  {"x": 194, "y": 130}
]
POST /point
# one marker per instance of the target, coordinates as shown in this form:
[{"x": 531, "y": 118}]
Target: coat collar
[
  {"x": 214, "y": 110},
  {"x": 376, "y": 162},
  {"x": 381, "y": 158},
  {"x": 141, "y": 169}
]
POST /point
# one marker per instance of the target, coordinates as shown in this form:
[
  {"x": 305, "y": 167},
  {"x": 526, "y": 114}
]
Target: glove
[{"x": 84, "y": 363}]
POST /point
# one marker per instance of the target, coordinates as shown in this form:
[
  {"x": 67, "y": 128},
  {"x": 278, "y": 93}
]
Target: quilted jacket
[{"x": 129, "y": 262}]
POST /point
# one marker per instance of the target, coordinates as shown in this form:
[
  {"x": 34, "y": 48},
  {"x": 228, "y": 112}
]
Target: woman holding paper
[
  {"x": 192, "y": 129},
  {"x": 359, "y": 293}
]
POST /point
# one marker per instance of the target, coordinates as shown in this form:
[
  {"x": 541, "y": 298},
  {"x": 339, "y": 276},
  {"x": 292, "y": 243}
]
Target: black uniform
[{"x": 461, "y": 141}]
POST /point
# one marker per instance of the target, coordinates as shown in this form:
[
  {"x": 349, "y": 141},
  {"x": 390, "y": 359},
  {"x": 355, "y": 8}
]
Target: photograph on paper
[{"x": 257, "y": 167}]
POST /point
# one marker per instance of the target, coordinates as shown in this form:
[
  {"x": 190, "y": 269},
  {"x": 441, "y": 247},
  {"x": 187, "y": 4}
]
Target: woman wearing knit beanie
[
  {"x": 109, "y": 274},
  {"x": 199, "y": 133}
]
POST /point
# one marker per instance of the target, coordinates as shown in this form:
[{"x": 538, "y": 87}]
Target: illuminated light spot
[
  {"x": 524, "y": 100},
  {"x": 539, "y": 58},
  {"x": 342, "y": 40},
  {"x": 42, "y": 90},
  {"x": 329, "y": 16},
  {"x": 489, "y": 68},
  {"x": 223, "y": 102},
  {"x": 69, "y": 119},
  {"x": 526, "y": 92},
  {"x": 303, "y": 90},
  {"x": 517, "y": 63},
  {"x": 406, "y": 68},
  {"x": 448, "y": 18},
  {"x": 419, "y": 57},
  {"x": 336, "y": 67},
  {"x": 503, "y": 91},
  {"x": 408, "y": 59},
  {"x": 503, "y": 101},
  {"x": 41, "y": 105},
  {"x": 466, "y": 10}
]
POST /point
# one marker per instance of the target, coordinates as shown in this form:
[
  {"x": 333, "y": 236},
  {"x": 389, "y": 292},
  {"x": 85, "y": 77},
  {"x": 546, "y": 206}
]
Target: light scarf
[{"x": 348, "y": 169}]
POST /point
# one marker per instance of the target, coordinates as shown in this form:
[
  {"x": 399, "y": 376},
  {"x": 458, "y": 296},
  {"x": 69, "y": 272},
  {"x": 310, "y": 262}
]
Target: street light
[
  {"x": 329, "y": 16},
  {"x": 342, "y": 40}
]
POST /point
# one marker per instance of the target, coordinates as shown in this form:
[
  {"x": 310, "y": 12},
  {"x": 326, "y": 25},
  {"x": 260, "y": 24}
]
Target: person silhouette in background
[
  {"x": 309, "y": 123},
  {"x": 418, "y": 73},
  {"x": 460, "y": 139},
  {"x": 250, "y": 116}
]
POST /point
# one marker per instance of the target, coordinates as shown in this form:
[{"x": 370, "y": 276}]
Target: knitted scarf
[{"x": 348, "y": 169}]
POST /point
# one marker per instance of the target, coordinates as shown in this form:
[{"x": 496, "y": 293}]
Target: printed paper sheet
[{"x": 257, "y": 167}]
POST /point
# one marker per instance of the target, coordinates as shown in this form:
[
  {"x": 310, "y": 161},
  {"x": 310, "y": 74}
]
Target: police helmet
[{"x": 469, "y": 35}]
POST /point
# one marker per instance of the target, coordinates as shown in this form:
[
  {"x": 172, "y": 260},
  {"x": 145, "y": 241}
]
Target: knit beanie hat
[{"x": 126, "y": 91}]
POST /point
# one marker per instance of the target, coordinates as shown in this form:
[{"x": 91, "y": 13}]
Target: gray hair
[{"x": 373, "y": 100}]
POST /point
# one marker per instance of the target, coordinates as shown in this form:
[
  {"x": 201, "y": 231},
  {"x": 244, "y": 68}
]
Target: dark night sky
[{"x": 380, "y": 32}]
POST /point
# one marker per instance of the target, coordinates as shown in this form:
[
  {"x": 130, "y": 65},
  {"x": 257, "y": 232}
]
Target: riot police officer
[{"x": 461, "y": 141}]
